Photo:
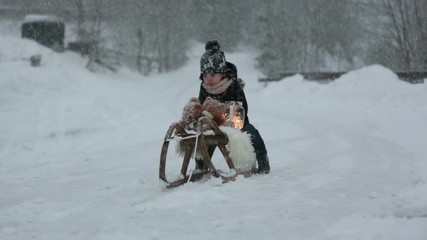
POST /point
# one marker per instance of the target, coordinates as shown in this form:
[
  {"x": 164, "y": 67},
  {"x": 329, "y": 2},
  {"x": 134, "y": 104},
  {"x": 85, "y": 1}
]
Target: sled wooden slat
[
  {"x": 206, "y": 158},
  {"x": 163, "y": 156},
  {"x": 227, "y": 157},
  {"x": 186, "y": 161},
  {"x": 208, "y": 138}
]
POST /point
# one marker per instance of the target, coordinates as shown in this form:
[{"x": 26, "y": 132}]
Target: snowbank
[{"x": 16, "y": 49}]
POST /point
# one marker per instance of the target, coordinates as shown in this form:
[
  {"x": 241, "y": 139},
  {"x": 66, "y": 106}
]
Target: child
[{"x": 220, "y": 82}]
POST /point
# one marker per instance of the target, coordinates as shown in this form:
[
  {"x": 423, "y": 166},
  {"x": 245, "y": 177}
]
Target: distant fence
[{"x": 326, "y": 77}]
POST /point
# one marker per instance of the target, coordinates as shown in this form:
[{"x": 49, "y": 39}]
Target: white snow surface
[
  {"x": 79, "y": 155},
  {"x": 39, "y": 18}
]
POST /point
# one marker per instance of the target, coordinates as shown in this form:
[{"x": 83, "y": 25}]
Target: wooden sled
[{"x": 206, "y": 139}]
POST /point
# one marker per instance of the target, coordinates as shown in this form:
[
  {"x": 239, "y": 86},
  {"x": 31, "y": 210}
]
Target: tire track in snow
[{"x": 337, "y": 164}]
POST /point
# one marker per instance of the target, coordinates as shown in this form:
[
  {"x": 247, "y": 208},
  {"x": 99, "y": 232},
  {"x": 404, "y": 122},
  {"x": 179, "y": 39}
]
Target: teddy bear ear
[{"x": 195, "y": 100}]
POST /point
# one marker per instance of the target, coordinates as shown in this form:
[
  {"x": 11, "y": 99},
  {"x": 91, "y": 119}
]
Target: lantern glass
[{"x": 235, "y": 114}]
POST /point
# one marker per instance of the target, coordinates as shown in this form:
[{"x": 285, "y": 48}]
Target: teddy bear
[
  {"x": 211, "y": 108},
  {"x": 216, "y": 109},
  {"x": 192, "y": 112}
]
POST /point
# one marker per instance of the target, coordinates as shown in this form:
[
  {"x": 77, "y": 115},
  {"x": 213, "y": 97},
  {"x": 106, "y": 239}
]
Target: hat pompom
[
  {"x": 212, "y": 46},
  {"x": 213, "y": 60}
]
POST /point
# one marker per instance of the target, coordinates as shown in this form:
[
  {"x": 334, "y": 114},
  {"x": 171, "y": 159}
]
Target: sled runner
[{"x": 205, "y": 138}]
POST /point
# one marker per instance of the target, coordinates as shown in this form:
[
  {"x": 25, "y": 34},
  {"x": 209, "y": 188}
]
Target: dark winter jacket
[{"x": 233, "y": 93}]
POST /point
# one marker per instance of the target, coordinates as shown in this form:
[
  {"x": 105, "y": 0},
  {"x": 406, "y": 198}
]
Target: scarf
[{"x": 218, "y": 88}]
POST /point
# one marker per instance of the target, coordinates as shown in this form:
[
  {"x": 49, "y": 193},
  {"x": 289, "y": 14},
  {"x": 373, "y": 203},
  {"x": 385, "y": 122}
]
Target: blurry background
[{"x": 291, "y": 35}]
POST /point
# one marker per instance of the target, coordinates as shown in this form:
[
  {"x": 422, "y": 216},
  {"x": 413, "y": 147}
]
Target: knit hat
[{"x": 213, "y": 60}]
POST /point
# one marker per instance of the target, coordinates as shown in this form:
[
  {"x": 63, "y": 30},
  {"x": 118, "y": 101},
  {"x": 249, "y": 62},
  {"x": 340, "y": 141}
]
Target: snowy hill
[{"x": 79, "y": 155}]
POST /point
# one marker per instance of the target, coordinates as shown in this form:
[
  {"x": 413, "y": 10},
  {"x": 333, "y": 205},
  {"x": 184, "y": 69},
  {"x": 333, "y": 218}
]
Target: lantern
[{"x": 235, "y": 114}]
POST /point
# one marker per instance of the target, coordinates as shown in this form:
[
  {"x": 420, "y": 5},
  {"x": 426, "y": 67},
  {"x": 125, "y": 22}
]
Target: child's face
[{"x": 212, "y": 79}]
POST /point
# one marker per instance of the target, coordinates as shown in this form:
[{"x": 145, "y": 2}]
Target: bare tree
[
  {"x": 300, "y": 35},
  {"x": 292, "y": 35},
  {"x": 421, "y": 24},
  {"x": 80, "y": 18},
  {"x": 406, "y": 26}
]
